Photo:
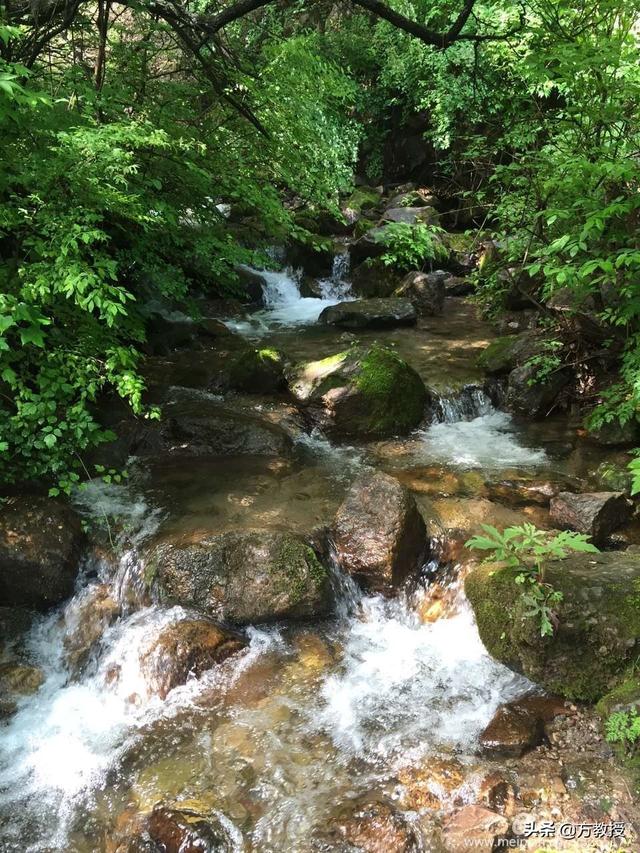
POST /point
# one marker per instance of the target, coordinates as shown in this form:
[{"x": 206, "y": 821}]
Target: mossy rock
[
  {"x": 362, "y": 226},
  {"x": 363, "y": 198},
  {"x": 243, "y": 578},
  {"x": 257, "y": 371},
  {"x": 364, "y": 392},
  {"x": 624, "y": 696},
  {"x": 498, "y": 356},
  {"x": 374, "y": 279},
  {"x": 599, "y": 622}
]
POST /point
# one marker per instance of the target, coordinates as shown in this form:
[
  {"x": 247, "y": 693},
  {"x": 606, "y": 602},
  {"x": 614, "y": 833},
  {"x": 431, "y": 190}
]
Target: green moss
[
  {"x": 362, "y": 226},
  {"x": 298, "y": 568},
  {"x": 625, "y": 694},
  {"x": 363, "y": 198},
  {"x": 492, "y": 592},
  {"x": 394, "y": 394},
  {"x": 498, "y": 356},
  {"x": 256, "y": 371}
]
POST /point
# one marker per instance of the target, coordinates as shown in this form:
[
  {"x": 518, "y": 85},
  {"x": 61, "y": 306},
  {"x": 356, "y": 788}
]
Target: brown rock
[
  {"x": 379, "y": 534},
  {"x": 188, "y": 647},
  {"x": 512, "y": 731},
  {"x": 87, "y": 618},
  {"x": 40, "y": 547},
  {"x": 498, "y": 794},
  {"x": 20, "y": 678},
  {"x": 474, "y": 828},
  {"x": 374, "y": 827},
  {"x": 597, "y": 514},
  {"x": 179, "y": 829}
]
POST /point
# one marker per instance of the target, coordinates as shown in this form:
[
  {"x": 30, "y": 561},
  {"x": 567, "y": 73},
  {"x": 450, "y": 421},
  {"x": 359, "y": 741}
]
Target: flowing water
[{"x": 307, "y": 717}]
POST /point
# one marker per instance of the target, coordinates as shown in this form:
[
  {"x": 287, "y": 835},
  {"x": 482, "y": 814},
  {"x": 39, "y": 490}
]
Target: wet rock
[
  {"x": 522, "y": 492},
  {"x": 432, "y": 784},
  {"x": 379, "y": 534},
  {"x": 529, "y": 397},
  {"x": 257, "y": 371},
  {"x": 368, "y": 392},
  {"x": 86, "y": 619},
  {"x": 242, "y": 578},
  {"x": 426, "y": 291},
  {"x": 598, "y": 631},
  {"x": 498, "y": 793},
  {"x": 310, "y": 288},
  {"x": 314, "y": 257},
  {"x": 474, "y": 828},
  {"x": 370, "y": 314},
  {"x": 372, "y": 244},
  {"x": 421, "y": 197},
  {"x": 41, "y": 542},
  {"x": 189, "y": 647},
  {"x": 182, "y": 829},
  {"x": 457, "y": 286},
  {"x": 373, "y": 278},
  {"x": 363, "y": 200},
  {"x": 512, "y": 730},
  {"x": 373, "y": 827},
  {"x": 252, "y": 286},
  {"x": 412, "y": 215},
  {"x": 20, "y": 678},
  {"x": 204, "y": 427},
  {"x": 615, "y": 434},
  {"x": 510, "y": 351},
  {"x": 597, "y": 514}
]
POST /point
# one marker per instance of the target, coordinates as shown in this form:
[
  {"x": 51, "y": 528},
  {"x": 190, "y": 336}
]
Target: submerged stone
[
  {"x": 379, "y": 535},
  {"x": 183, "y": 828},
  {"x": 242, "y": 578},
  {"x": 372, "y": 826},
  {"x": 189, "y": 647},
  {"x": 474, "y": 828},
  {"x": 598, "y": 631},
  {"x": 366, "y": 392}
]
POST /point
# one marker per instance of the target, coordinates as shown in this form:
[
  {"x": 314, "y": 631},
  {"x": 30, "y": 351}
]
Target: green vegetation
[
  {"x": 623, "y": 727},
  {"x": 527, "y": 549},
  {"x": 150, "y": 148}
]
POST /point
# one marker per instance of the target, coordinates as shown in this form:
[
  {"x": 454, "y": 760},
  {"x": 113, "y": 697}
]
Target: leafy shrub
[
  {"x": 412, "y": 246},
  {"x": 527, "y": 549}
]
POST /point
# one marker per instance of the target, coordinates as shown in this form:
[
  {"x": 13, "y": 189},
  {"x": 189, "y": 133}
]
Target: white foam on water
[
  {"x": 285, "y": 307},
  {"x": 404, "y": 683},
  {"x": 60, "y": 745},
  {"x": 488, "y": 441}
]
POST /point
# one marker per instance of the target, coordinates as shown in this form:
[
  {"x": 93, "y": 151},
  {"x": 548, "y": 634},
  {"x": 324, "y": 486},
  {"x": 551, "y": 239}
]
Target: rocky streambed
[{"x": 261, "y": 639}]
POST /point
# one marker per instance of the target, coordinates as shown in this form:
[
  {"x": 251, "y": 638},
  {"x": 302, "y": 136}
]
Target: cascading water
[{"x": 286, "y": 307}]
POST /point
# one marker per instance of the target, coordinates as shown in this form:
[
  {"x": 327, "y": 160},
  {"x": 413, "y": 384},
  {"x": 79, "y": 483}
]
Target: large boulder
[
  {"x": 199, "y": 426},
  {"x": 372, "y": 244},
  {"x": 241, "y": 578},
  {"x": 185, "y": 648},
  {"x": 598, "y": 631},
  {"x": 257, "y": 371},
  {"x": 251, "y": 285},
  {"x": 366, "y": 392},
  {"x": 370, "y": 314},
  {"x": 41, "y": 543},
  {"x": 533, "y": 398},
  {"x": 510, "y": 351},
  {"x": 373, "y": 278},
  {"x": 426, "y": 291},
  {"x": 597, "y": 514},
  {"x": 411, "y": 215},
  {"x": 379, "y": 535}
]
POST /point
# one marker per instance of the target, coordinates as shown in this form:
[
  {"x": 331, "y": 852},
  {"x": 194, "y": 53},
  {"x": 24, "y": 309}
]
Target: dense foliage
[{"x": 129, "y": 130}]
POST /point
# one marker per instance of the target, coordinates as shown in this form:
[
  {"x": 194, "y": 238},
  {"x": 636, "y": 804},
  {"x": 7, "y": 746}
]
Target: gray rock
[
  {"x": 426, "y": 291},
  {"x": 597, "y": 514},
  {"x": 370, "y": 314},
  {"x": 411, "y": 215},
  {"x": 526, "y": 396}
]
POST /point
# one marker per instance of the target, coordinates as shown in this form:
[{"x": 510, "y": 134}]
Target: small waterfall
[
  {"x": 341, "y": 267},
  {"x": 469, "y": 403}
]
